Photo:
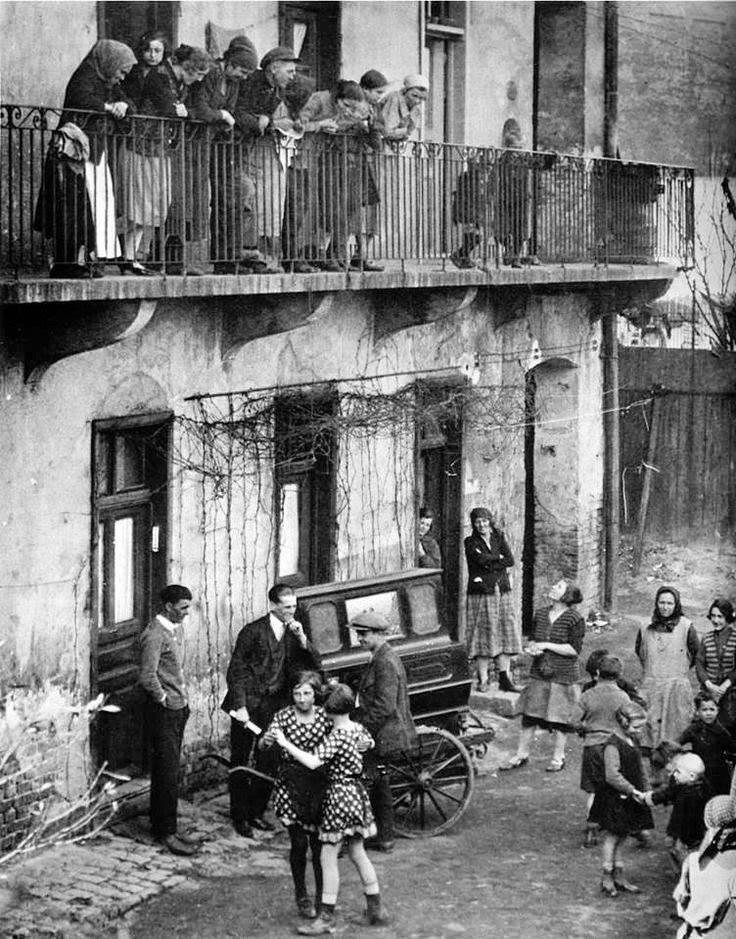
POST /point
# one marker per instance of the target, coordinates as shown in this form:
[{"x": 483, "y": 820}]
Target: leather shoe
[
  {"x": 187, "y": 839},
  {"x": 385, "y": 847},
  {"x": 244, "y": 829},
  {"x": 261, "y": 824},
  {"x": 175, "y": 845}
]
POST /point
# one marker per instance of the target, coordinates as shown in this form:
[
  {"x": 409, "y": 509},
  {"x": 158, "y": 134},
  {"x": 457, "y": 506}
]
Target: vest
[{"x": 717, "y": 669}]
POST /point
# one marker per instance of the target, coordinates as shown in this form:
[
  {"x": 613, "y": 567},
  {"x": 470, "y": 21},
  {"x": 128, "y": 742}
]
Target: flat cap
[
  {"x": 374, "y": 622},
  {"x": 279, "y": 54}
]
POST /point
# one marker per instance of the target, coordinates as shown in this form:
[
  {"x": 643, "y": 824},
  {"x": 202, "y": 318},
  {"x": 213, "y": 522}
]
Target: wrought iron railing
[{"x": 175, "y": 194}]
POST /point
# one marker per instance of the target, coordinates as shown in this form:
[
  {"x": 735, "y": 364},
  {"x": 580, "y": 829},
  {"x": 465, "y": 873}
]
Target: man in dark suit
[
  {"x": 269, "y": 653},
  {"x": 383, "y": 709}
]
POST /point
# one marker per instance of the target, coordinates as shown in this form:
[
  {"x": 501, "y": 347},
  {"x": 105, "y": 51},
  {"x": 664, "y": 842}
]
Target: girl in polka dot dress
[
  {"x": 299, "y": 792},
  {"x": 346, "y": 811}
]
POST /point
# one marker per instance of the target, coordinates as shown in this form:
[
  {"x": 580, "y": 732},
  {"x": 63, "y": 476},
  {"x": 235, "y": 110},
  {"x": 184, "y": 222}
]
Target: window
[
  {"x": 305, "y": 488},
  {"x": 127, "y": 22},
  {"x": 312, "y": 31},
  {"x": 444, "y": 41}
]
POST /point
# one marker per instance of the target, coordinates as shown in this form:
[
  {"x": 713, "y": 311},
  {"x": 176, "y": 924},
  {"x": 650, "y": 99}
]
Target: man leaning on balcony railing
[
  {"x": 261, "y": 114},
  {"x": 76, "y": 204}
]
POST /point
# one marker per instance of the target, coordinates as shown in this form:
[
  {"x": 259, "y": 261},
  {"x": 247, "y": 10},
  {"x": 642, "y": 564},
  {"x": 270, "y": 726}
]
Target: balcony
[{"x": 429, "y": 215}]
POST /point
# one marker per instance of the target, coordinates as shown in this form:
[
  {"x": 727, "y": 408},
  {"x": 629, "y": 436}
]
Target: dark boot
[
  {"x": 505, "y": 683},
  {"x": 375, "y": 913},
  {"x": 607, "y": 885}
]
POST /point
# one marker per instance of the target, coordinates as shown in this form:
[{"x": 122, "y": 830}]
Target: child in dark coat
[
  {"x": 618, "y": 805},
  {"x": 710, "y": 740},
  {"x": 687, "y": 791}
]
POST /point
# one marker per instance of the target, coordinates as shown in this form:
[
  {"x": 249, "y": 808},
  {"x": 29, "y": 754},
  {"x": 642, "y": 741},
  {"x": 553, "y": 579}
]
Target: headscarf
[
  {"x": 109, "y": 56},
  {"x": 666, "y": 623}
]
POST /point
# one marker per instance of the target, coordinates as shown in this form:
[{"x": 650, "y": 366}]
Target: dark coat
[
  {"x": 255, "y": 97},
  {"x": 383, "y": 703},
  {"x": 487, "y": 565},
  {"x": 86, "y": 91},
  {"x": 258, "y": 677}
]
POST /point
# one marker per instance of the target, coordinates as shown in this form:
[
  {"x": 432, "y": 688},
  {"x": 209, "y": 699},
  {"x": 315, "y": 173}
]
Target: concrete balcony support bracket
[
  {"x": 245, "y": 319},
  {"x": 402, "y": 309},
  {"x": 59, "y": 330}
]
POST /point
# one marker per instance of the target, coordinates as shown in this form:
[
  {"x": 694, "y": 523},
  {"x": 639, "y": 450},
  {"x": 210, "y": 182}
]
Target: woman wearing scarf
[
  {"x": 667, "y": 649},
  {"x": 492, "y": 629},
  {"x": 94, "y": 86}
]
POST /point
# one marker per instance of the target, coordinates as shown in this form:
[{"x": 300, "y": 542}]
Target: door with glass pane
[{"x": 130, "y": 568}]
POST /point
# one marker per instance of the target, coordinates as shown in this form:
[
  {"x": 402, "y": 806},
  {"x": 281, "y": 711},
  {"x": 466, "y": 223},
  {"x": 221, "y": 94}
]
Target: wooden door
[
  {"x": 312, "y": 31},
  {"x": 129, "y": 548}
]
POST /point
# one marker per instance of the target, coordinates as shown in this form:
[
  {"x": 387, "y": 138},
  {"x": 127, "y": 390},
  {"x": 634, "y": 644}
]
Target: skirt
[
  {"x": 619, "y": 814},
  {"x": 346, "y": 811},
  {"x": 492, "y": 628},
  {"x": 102, "y": 203},
  {"x": 298, "y": 796},
  {"x": 144, "y": 189},
  {"x": 548, "y": 704}
]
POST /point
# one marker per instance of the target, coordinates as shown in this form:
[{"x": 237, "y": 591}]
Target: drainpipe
[
  {"x": 609, "y": 322},
  {"x": 610, "y": 78}
]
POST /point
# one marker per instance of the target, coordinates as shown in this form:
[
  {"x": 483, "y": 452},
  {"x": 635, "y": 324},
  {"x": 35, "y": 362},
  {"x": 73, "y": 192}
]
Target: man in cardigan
[
  {"x": 269, "y": 653},
  {"x": 383, "y": 709},
  {"x": 162, "y": 677},
  {"x": 260, "y": 111}
]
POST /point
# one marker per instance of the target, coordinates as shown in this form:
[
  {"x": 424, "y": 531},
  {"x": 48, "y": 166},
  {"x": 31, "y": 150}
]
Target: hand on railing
[{"x": 118, "y": 109}]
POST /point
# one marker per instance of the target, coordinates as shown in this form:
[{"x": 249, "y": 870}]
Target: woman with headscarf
[
  {"x": 77, "y": 211},
  {"x": 549, "y": 700},
  {"x": 715, "y": 664},
  {"x": 667, "y": 649},
  {"x": 706, "y": 893},
  {"x": 492, "y": 632}
]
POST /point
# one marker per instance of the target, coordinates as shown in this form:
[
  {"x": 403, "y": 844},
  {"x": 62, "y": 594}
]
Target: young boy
[
  {"x": 595, "y": 718},
  {"x": 687, "y": 791},
  {"x": 710, "y": 740}
]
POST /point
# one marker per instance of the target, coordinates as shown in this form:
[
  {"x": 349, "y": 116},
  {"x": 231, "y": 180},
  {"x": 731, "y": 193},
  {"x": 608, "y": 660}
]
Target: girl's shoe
[
  {"x": 607, "y": 884},
  {"x": 514, "y": 763},
  {"x": 622, "y": 884},
  {"x": 555, "y": 765},
  {"x": 306, "y": 908},
  {"x": 323, "y": 925}
]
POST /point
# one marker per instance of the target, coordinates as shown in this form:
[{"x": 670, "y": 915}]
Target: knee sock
[
  {"x": 298, "y": 859},
  {"x": 316, "y": 845}
]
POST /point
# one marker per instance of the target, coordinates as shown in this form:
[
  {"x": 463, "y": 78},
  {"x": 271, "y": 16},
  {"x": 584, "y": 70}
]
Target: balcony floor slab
[{"x": 32, "y": 288}]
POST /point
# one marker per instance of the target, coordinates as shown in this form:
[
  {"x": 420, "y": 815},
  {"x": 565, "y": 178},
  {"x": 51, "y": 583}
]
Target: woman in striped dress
[
  {"x": 549, "y": 699},
  {"x": 492, "y": 631},
  {"x": 715, "y": 663}
]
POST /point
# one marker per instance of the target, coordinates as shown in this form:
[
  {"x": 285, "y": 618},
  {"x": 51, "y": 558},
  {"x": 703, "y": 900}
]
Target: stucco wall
[
  {"x": 383, "y": 36},
  {"x": 499, "y": 41}
]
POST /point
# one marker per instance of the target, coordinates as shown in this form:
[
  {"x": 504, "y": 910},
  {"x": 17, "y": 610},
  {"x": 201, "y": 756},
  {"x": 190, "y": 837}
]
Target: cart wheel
[{"x": 431, "y": 785}]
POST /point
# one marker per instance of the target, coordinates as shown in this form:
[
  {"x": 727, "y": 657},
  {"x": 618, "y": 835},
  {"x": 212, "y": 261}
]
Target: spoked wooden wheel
[{"x": 431, "y": 785}]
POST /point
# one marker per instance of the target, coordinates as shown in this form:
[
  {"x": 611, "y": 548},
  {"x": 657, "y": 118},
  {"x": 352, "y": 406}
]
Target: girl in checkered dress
[{"x": 346, "y": 811}]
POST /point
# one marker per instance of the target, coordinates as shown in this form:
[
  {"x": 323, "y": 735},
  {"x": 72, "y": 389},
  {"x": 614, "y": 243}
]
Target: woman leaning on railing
[{"x": 76, "y": 204}]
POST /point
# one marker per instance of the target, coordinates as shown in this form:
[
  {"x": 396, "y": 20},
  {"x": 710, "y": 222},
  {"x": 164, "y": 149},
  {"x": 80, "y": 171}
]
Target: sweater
[{"x": 161, "y": 674}]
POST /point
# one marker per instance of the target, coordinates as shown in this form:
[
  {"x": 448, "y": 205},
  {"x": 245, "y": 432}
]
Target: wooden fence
[{"x": 693, "y": 486}]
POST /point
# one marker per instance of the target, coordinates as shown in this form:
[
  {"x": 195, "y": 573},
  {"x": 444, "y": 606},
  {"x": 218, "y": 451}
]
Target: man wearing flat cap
[
  {"x": 260, "y": 113},
  {"x": 401, "y": 111},
  {"x": 383, "y": 709}
]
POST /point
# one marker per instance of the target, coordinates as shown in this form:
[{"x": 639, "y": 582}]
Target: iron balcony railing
[{"x": 175, "y": 194}]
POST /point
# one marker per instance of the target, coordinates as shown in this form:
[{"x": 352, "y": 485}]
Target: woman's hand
[
  {"x": 268, "y": 739},
  {"x": 181, "y": 110},
  {"x": 716, "y": 691},
  {"x": 279, "y": 737},
  {"x": 227, "y": 118},
  {"x": 118, "y": 109},
  {"x": 328, "y": 126}
]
